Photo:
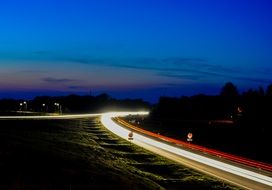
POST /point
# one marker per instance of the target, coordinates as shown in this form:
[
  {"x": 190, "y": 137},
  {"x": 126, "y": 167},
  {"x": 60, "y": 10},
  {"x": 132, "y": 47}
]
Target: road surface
[
  {"x": 215, "y": 167},
  {"x": 260, "y": 166},
  {"x": 228, "y": 172}
]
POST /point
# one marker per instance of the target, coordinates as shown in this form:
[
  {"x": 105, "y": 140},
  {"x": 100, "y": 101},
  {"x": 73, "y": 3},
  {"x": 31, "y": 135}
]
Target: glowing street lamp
[
  {"x": 58, "y": 107},
  {"x": 21, "y": 106},
  {"x": 25, "y": 105},
  {"x": 44, "y": 107}
]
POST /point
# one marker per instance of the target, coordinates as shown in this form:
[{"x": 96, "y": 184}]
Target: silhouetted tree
[
  {"x": 229, "y": 90},
  {"x": 251, "y": 93},
  {"x": 261, "y": 91},
  {"x": 269, "y": 90}
]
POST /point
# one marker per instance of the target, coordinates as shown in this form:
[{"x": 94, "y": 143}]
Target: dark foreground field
[{"x": 80, "y": 154}]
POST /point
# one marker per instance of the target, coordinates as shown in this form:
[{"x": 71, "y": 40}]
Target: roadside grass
[{"x": 81, "y": 154}]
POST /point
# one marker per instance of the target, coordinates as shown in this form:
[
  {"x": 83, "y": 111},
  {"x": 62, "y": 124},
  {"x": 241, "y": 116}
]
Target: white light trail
[
  {"x": 72, "y": 116},
  {"x": 139, "y": 139}
]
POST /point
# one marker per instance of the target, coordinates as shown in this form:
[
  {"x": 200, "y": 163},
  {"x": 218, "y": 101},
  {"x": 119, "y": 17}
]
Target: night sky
[{"x": 133, "y": 48}]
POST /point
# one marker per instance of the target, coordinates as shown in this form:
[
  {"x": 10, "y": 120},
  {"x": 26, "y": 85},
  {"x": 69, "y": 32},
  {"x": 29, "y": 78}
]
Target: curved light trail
[
  {"x": 146, "y": 142},
  {"x": 226, "y": 171},
  {"x": 245, "y": 161}
]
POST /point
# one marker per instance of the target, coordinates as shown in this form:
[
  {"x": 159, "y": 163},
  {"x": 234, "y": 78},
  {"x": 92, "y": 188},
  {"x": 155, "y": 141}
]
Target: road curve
[
  {"x": 231, "y": 173},
  {"x": 228, "y": 172},
  {"x": 237, "y": 159}
]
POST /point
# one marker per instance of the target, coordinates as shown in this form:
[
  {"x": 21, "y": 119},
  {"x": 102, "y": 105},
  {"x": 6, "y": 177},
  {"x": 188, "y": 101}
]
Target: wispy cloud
[
  {"x": 180, "y": 76},
  {"x": 190, "y": 68},
  {"x": 193, "y": 69},
  {"x": 58, "y": 80},
  {"x": 197, "y": 69},
  {"x": 198, "y": 63},
  {"x": 253, "y": 79},
  {"x": 32, "y": 71},
  {"x": 193, "y": 65},
  {"x": 78, "y": 87},
  {"x": 189, "y": 65},
  {"x": 82, "y": 60}
]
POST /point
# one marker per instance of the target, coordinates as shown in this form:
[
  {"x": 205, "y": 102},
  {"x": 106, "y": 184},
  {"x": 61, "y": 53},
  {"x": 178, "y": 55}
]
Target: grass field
[{"x": 81, "y": 154}]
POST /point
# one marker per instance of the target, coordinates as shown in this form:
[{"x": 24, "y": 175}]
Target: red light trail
[{"x": 231, "y": 157}]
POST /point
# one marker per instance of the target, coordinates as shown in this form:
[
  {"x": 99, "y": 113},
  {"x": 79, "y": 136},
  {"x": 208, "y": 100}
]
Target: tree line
[
  {"x": 73, "y": 104},
  {"x": 250, "y": 107}
]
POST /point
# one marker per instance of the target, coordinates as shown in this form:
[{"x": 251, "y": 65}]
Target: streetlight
[
  {"x": 44, "y": 108},
  {"x": 25, "y": 105},
  {"x": 58, "y": 106},
  {"x": 21, "y": 106}
]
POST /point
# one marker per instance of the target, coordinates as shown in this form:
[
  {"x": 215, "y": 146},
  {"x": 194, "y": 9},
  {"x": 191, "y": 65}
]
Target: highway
[
  {"x": 212, "y": 152},
  {"x": 216, "y": 167},
  {"x": 71, "y": 116},
  {"x": 231, "y": 173}
]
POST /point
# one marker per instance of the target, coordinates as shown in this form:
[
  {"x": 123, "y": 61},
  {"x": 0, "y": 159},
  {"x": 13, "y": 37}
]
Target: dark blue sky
[{"x": 136, "y": 48}]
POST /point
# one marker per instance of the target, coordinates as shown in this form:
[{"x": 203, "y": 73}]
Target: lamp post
[
  {"x": 58, "y": 107},
  {"x": 21, "y": 107},
  {"x": 44, "y": 107},
  {"x": 25, "y": 103}
]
